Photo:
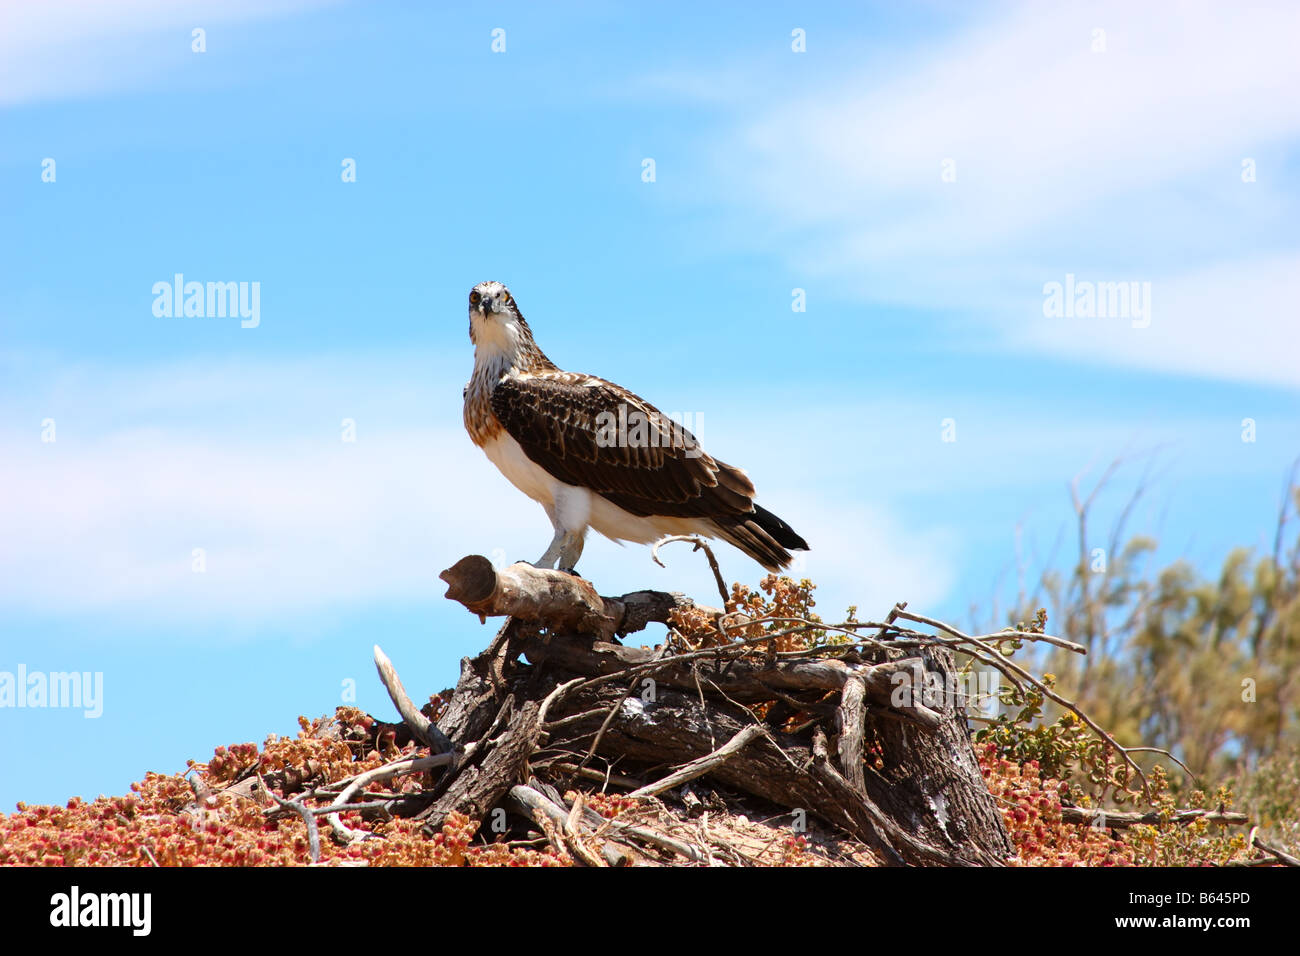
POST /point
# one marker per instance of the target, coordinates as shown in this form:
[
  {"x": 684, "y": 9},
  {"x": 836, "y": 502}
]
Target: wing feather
[{"x": 563, "y": 423}]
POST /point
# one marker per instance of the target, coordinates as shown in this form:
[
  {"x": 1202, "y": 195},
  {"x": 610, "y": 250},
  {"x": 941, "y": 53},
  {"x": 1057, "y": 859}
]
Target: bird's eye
[
  {"x": 474, "y": 297},
  {"x": 505, "y": 298}
]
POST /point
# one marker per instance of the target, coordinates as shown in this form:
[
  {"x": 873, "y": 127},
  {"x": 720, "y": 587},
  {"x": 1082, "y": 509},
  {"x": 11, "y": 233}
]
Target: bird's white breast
[
  {"x": 521, "y": 471},
  {"x": 577, "y": 508}
]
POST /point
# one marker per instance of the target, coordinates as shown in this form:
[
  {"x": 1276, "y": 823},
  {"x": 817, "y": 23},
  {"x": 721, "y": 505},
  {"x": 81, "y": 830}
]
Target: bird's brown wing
[{"x": 593, "y": 434}]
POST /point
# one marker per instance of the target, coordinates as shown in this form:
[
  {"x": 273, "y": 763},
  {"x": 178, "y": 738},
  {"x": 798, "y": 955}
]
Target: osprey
[{"x": 563, "y": 439}]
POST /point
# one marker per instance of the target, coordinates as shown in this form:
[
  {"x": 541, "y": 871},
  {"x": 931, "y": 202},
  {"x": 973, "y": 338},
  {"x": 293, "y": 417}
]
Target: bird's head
[
  {"x": 491, "y": 300},
  {"x": 497, "y": 327}
]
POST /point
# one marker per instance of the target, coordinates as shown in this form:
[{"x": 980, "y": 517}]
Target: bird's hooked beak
[{"x": 487, "y": 305}]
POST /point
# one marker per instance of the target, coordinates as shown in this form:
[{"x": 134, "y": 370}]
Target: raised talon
[{"x": 572, "y": 571}]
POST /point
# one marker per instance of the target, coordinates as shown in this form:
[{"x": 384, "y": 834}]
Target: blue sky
[{"x": 921, "y": 171}]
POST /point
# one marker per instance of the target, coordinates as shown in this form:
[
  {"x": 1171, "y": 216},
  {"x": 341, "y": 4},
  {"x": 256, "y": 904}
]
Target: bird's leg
[
  {"x": 572, "y": 551},
  {"x": 553, "y": 552}
]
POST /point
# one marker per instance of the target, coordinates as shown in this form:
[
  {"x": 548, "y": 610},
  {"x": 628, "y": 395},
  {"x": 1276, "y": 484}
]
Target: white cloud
[
  {"x": 1234, "y": 320},
  {"x": 1123, "y": 164},
  {"x": 112, "y": 521},
  {"x": 57, "y": 49},
  {"x": 1039, "y": 126}
]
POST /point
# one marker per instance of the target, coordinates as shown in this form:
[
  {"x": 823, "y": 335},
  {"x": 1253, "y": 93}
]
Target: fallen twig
[
  {"x": 313, "y": 832},
  {"x": 700, "y": 545},
  {"x": 1114, "y": 820},
  {"x": 698, "y": 768}
]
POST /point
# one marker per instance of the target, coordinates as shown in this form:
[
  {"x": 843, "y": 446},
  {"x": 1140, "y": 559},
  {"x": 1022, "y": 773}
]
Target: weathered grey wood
[
  {"x": 745, "y": 680},
  {"x": 1119, "y": 820},
  {"x": 852, "y": 717},
  {"x": 930, "y": 783},
  {"x": 557, "y": 600},
  {"x": 531, "y": 800},
  {"x": 702, "y": 765},
  {"x": 780, "y": 768},
  {"x": 466, "y": 715},
  {"x": 420, "y": 726},
  {"x": 924, "y": 804},
  {"x": 479, "y": 785}
]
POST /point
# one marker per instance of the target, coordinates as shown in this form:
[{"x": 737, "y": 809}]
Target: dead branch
[
  {"x": 297, "y": 806},
  {"x": 698, "y": 768},
  {"x": 700, "y": 545},
  {"x": 532, "y": 801},
  {"x": 421, "y": 727},
  {"x": 746, "y": 680},
  {"x": 562, "y": 602},
  {"x": 852, "y": 716},
  {"x": 1279, "y": 855},
  {"x": 1114, "y": 820}
]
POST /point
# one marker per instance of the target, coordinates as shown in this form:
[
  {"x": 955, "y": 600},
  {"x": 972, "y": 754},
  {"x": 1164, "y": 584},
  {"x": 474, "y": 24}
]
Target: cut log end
[{"x": 471, "y": 580}]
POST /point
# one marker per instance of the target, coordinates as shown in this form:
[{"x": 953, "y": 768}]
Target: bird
[{"x": 594, "y": 455}]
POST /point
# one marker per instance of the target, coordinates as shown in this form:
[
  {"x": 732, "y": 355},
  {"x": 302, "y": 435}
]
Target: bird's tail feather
[
  {"x": 785, "y": 535},
  {"x": 764, "y": 537}
]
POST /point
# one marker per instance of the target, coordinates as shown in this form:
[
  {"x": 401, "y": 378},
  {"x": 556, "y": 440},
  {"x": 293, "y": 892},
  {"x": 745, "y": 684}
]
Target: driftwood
[
  {"x": 554, "y": 691},
  {"x": 557, "y": 600}
]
